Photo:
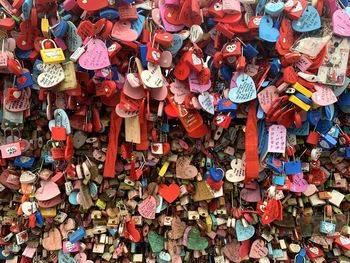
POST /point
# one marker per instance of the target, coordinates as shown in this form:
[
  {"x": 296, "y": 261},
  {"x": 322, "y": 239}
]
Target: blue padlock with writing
[{"x": 77, "y": 235}]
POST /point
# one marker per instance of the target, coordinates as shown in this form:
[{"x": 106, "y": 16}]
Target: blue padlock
[
  {"x": 327, "y": 141},
  {"x": 22, "y": 54},
  {"x": 275, "y": 164},
  {"x": 24, "y": 80},
  {"x": 293, "y": 167},
  {"x": 226, "y": 72},
  {"x": 60, "y": 29},
  {"x": 143, "y": 54},
  {"x": 278, "y": 180},
  {"x": 39, "y": 219},
  {"x": 77, "y": 235},
  {"x": 24, "y": 162},
  {"x": 275, "y": 66},
  {"x": 226, "y": 105},
  {"x": 347, "y": 152},
  {"x": 109, "y": 14},
  {"x": 216, "y": 174},
  {"x": 250, "y": 52}
]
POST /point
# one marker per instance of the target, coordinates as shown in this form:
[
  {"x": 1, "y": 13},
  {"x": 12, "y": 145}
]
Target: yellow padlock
[
  {"x": 45, "y": 27},
  {"x": 302, "y": 89},
  {"x": 51, "y": 55},
  {"x": 164, "y": 168},
  {"x": 299, "y": 103}
]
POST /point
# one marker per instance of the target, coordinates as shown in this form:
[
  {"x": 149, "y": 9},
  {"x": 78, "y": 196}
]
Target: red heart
[
  {"x": 92, "y": 5},
  {"x": 289, "y": 75},
  {"x": 88, "y": 29},
  {"x": 169, "y": 193},
  {"x": 21, "y": 80},
  {"x": 155, "y": 148},
  {"x": 131, "y": 232}
]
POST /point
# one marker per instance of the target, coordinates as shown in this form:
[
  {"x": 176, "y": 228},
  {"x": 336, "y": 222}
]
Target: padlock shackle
[{"x": 50, "y": 40}]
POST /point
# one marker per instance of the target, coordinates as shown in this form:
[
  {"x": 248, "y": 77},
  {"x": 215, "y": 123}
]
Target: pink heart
[
  {"x": 324, "y": 95},
  {"x": 47, "y": 191},
  {"x": 299, "y": 184},
  {"x": 251, "y": 195},
  {"x": 122, "y": 31},
  {"x": 166, "y": 59},
  {"x": 341, "y": 23},
  {"x": 231, "y": 251},
  {"x": 184, "y": 170},
  {"x": 147, "y": 208},
  {"x": 266, "y": 96},
  {"x": 95, "y": 56},
  {"x": 168, "y": 27},
  {"x": 179, "y": 89},
  {"x": 195, "y": 86},
  {"x": 258, "y": 249}
]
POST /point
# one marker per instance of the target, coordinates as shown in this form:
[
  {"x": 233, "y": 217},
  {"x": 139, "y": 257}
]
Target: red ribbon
[
  {"x": 112, "y": 148},
  {"x": 251, "y": 145}
]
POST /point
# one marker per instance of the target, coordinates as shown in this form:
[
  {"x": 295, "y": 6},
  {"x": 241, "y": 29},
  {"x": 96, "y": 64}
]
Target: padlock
[
  {"x": 58, "y": 132},
  {"x": 51, "y": 55},
  {"x": 12, "y": 149}
]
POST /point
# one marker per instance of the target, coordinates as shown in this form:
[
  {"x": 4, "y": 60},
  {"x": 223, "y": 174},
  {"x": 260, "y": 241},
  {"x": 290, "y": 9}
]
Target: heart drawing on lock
[
  {"x": 245, "y": 90},
  {"x": 184, "y": 170},
  {"x": 53, "y": 241},
  {"x": 156, "y": 241},
  {"x": 258, "y": 249},
  {"x": 244, "y": 233},
  {"x": 152, "y": 77},
  {"x": 95, "y": 56},
  {"x": 195, "y": 241},
  {"x": 52, "y": 75}
]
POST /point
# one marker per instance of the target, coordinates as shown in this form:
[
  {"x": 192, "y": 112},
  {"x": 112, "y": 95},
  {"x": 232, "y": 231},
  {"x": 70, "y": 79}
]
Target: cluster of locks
[{"x": 174, "y": 131}]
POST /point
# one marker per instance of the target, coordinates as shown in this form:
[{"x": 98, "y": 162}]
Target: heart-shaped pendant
[
  {"x": 266, "y": 30},
  {"x": 341, "y": 23},
  {"x": 206, "y": 100},
  {"x": 245, "y": 90},
  {"x": 52, "y": 75},
  {"x": 309, "y": 21},
  {"x": 244, "y": 233},
  {"x": 95, "y": 56}
]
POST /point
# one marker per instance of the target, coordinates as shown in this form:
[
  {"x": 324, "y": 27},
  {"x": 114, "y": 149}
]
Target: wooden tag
[
  {"x": 132, "y": 130},
  {"x": 70, "y": 80}
]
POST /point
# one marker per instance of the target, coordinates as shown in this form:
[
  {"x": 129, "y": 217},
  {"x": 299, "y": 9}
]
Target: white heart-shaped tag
[
  {"x": 52, "y": 75},
  {"x": 206, "y": 100}
]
